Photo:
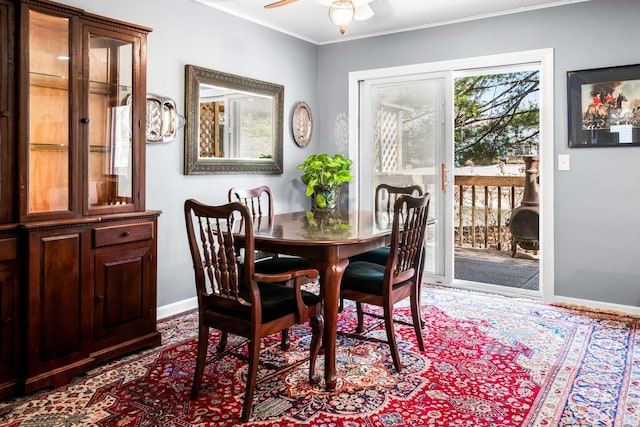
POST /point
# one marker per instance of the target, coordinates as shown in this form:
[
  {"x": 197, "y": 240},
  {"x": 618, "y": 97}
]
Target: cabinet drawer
[
  {"x": 117, "y": 234},
  {"x": 8, "y": 249}
]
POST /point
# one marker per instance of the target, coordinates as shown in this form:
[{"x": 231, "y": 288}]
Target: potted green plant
[{"x": 324, "y": 176}]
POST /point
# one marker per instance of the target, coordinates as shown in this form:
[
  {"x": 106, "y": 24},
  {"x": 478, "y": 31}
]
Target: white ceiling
[{"x": 309, "y": 19}]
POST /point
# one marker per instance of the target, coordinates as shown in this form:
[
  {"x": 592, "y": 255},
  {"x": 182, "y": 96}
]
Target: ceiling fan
[{"x": 361, "y": 7}]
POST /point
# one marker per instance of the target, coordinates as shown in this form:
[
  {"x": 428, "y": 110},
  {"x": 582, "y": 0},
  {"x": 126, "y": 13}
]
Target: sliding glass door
[
  {"x": 402, "y": 141},
  {"x": 401, "y": 131}
]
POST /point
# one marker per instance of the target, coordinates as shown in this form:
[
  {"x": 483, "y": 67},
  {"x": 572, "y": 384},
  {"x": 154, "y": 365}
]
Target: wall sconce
[{"x": 341, "y": 13}]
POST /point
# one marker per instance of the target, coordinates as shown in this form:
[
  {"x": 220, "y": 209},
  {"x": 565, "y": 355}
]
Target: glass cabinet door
[
  {"x": 110, "y": 165},
  {"x": 82, "y": 143},
  {"x": 49, "y": 151}
]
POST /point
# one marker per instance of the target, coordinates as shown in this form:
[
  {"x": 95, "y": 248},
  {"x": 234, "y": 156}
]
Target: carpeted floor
[
  {"x": 489, "y": 361},
  {"x": 497, "y": 273}
]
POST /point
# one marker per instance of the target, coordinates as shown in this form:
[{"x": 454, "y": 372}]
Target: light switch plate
[{"x": 563, "y": 162}]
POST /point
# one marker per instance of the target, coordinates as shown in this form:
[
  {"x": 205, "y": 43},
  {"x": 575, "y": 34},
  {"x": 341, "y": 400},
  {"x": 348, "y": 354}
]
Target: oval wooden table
[{"x": 326, "y": 241}]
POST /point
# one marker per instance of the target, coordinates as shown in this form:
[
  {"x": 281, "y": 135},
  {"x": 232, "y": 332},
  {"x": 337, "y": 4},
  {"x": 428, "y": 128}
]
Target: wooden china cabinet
[
  {"x": 10, "y": 344},
  {"x": 77, "y": 246}
]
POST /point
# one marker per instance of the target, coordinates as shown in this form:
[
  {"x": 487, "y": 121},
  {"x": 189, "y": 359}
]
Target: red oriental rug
[{"x": 489, "y": 361}]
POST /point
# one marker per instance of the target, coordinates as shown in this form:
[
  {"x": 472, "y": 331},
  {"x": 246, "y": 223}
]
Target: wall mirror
[{"x": 233, "y": 124}]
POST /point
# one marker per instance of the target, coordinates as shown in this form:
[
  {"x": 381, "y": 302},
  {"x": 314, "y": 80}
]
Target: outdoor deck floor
[
  {"x": 499, "y": 256},
  {"x": 497, "y": 267}
]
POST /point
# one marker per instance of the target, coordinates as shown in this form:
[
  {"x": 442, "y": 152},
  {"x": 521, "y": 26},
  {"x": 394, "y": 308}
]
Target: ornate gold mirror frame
[{"x": 200, "y": 156}]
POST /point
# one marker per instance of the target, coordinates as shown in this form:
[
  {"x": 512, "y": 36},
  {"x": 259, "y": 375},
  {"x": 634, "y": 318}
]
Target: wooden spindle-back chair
[{"x": 234, "y": 299}]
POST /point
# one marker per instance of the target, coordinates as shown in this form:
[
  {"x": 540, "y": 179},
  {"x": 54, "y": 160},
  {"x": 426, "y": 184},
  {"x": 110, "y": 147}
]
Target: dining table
[{"x": 326, "y": 240}]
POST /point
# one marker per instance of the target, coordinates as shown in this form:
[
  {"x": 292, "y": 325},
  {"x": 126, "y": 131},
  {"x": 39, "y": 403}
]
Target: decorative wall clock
[{"x": 302, "y": 124}]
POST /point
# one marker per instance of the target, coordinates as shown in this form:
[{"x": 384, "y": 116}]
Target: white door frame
[{"x": 542, "y": 56}]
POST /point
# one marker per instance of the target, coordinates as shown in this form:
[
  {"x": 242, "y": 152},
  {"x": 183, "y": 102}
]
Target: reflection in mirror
[{"x": 233, "y": 124}]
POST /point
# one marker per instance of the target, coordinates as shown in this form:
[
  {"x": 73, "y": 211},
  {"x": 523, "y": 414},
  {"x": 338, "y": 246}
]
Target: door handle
[{"x": 443, "y": 177}]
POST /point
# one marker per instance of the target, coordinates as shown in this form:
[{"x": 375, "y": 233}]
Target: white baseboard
[
  {"x": 584, "y": 304},
  {"x": 177, "y": 307},
  {"x": 568, "y": 302}
]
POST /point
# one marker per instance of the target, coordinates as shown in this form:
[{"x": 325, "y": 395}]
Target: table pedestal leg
[{"x": 331, "y": 276}]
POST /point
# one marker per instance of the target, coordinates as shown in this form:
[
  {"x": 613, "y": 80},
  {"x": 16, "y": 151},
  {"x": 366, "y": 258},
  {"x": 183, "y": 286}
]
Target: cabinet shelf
[
  {"x": 108, "y": 88},
  {"x": 49, "y": 80},
  {"x": 100, "y": 148},
  {"x": 62, "y": 147},
  {"x": 48, "y": 147}
]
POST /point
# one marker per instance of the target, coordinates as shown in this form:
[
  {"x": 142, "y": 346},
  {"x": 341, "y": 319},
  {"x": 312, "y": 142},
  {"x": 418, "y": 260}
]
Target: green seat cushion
[
  {"x": 277, "y": 301},
  {"x": 363, "y": 276},
  {"x": 280, "y": 265},
  {"x": 376, "y": 256}
]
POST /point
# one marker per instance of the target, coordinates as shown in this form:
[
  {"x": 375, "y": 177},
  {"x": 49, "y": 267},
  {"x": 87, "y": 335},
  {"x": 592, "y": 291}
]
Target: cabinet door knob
[
  {"x": 98, "y": 298},
  {"x": 4, "y": 114},
  {"x": 8, "y": 321},
  {"x": 84, "y": 120},
  {"x": 125, "y": 234}
]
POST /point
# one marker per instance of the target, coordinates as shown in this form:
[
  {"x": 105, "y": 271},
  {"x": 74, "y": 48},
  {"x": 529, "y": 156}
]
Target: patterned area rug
[{"x": 489, "y": 361}]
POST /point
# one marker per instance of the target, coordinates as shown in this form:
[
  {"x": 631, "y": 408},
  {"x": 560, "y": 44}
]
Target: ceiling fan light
[
  {"x": 363, "y": 12},
  {"x": 341, "y": 13}
]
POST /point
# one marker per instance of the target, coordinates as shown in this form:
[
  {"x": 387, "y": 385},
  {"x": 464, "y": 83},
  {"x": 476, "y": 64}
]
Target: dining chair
[
  {"x": 234, "y": 299},
  {"x": 386, "y": 196},
  {"x": 385, "y": 285},
  {"x": 259, "y": 202}
]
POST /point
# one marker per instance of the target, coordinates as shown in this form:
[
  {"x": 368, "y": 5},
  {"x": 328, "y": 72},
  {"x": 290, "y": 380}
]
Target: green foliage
[
  {"x": 325, "y": 172},
  {"x": 254, "y": 124},
  {"x": 496, "y": 115}
]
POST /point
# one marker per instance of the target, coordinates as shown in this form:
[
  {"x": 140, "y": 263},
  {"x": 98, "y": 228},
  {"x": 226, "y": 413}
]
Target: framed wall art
[{"x": 604, "y": 107}]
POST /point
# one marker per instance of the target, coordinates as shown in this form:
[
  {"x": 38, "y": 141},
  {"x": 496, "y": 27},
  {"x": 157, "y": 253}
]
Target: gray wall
[
  {"x": 597, "y": 223},
  {"x": 186, "y": 32},
  {"x": 596, "y": 220}
]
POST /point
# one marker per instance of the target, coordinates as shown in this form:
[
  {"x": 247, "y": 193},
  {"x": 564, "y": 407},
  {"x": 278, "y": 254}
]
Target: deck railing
[{"x": 483, "y": 207}]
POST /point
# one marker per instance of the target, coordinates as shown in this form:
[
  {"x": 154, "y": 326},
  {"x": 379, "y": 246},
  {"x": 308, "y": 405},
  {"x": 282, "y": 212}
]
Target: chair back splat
[
  {"x": 399, "y": 278},
  {"x": 259, "y": 200},
  {"x": 407, "y": 239},
  {"x": 234, "y": 299},
  {"x": 216, "y": 263},
  {"x": 386, "y": 195},
  {"x": 259, "y": 203}
]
